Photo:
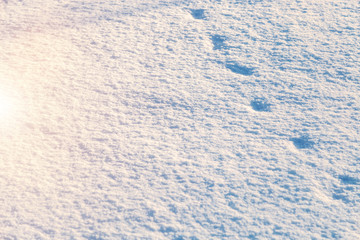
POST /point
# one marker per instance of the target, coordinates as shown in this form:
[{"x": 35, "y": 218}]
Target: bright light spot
[
  {"x": 6, "y": 106},
  {"x": 9, "y": 110}
]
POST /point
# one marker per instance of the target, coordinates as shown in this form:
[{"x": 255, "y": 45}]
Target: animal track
[
  {"x": 302, "y": 142},
  {"x": 341, "y": 197},
  {"x": 260, "y": 105},
  {"x": 345, "y": 179},
  {"x": 346, "y": 191},
  {"x": 198, "y": 13},
  {"x": 218, "y": 42},
  {"x": 235, "y": 68}
]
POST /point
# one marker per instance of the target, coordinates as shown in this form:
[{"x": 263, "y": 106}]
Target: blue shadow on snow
[
  {"x": 235, "y": 68},
  {"x": 198, "y": 13},
  {"x": 260, "y": 105},
  {"x": 302, "y": 142}
]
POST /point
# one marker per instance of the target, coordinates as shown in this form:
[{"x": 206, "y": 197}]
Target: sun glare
[{"x": 6, "y": 106}]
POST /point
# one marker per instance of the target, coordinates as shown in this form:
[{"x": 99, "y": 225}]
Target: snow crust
[{"x": 180, "y": 119}]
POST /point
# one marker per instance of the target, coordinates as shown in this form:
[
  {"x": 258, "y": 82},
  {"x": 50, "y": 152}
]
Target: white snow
[{"x": 179, "y": 119}]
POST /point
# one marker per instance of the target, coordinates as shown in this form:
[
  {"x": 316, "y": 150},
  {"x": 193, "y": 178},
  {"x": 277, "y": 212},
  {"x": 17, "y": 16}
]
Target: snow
[{"x": 174, "y": 119}]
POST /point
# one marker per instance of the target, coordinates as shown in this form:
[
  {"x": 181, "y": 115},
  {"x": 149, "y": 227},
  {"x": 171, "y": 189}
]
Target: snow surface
[{"x": 179, "y": 119}]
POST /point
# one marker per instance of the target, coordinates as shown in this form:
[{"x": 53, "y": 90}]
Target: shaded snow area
[{"x": 179, "y": 119}]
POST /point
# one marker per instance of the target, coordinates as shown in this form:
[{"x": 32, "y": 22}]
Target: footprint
[
  {"x": 218, "y": 42},
  {"x": 345, "y": 179},
  {"x": 302, "y": 142},
  {"x": 235, "y": 68},
  {"x": 260, "y": 105},
  {"x": 198, "y": 13},
  {"x": 341, "y": 197}
]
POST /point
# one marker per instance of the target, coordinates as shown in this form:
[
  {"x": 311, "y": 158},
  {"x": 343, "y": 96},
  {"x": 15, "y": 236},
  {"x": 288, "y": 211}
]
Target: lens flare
[{"x": 7, "y": 106}]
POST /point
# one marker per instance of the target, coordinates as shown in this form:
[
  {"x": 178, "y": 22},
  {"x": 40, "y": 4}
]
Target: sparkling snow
[{"x": 180, "y": 119}]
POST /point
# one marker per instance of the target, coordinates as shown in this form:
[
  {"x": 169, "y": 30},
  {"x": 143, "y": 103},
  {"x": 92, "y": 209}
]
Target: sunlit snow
[
  {"x": 179, "y": 119},
  {"x": 5, "y": 105}
]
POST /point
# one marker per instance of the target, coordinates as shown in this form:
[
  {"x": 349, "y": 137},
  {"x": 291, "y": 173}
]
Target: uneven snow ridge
[{"x": 179, "y": 119}]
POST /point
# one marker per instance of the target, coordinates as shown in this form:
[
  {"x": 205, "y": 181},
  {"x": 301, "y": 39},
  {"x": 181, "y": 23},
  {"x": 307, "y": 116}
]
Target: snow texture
[{"x": 179, "y": 119}]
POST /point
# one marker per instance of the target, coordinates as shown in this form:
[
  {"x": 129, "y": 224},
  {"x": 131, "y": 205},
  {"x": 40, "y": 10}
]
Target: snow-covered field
[{"x": 180, "y": 119}]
